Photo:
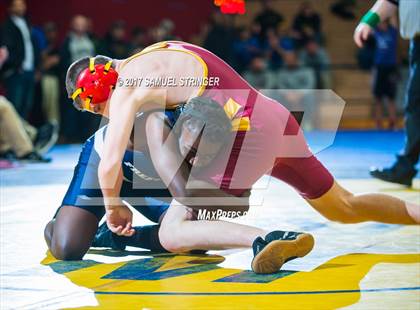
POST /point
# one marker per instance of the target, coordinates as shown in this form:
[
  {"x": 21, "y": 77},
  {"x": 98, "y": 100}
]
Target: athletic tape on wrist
[{"x": 371, "y": 19}]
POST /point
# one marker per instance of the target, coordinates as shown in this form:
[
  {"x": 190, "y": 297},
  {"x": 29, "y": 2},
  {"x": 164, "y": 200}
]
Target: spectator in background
[
  {"x": 138, "y": 40},
  {"x": 91, "y": 34},
  {"x": 404, "y": 168},
  {"x": 275, "y": 50},
  {"x": 246, "y": 47},
  {"x": 163, "y": 32},
  {"x": 344, "y": 9},
  {"x": 19, "y": 69},
  {"x": 17, "y": 137},
  {"x": 288, "y": 39},
  {"x": 38, "y": 36},
  {"x": 307, "y": 24},
  {"x": 15, "y": 143},
  {"x": 4, "y": 54},
  {"x": 259, "y": 40},
  {"x": 292, "y": 77},
  {"x": 268, "y": 18},
  {"x": 220, "y": 37},
  {"x": 385, "y": 74},
  {"x": 114, "y": 44},
  {"x": 257, "y": 74},
  {"x": 366, "y": 54},
  {"x": 77, "y": 44},
  {"x": 152, "y": 35},
  {"x": 167, "y": 28},
  {"x": 315, "y": 57},
  {"x": 50, "y": 82}
]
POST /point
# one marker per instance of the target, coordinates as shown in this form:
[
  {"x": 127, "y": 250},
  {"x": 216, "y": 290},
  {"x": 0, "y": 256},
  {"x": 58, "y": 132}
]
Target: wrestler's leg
[
  {"x": 179, "y": 233},
  {"x": 340, "y": 205},
  {"x": 316, "y": 184},
  {"x": 70, "y": 234}
]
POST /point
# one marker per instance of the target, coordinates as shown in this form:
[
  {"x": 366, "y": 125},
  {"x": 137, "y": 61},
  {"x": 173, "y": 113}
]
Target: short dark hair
[
  {"x": 73, "y": 73},
  {"x": 203, "y": 112}
]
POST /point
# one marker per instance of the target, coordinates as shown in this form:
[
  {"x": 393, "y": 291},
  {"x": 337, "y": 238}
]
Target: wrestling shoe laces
[
  {"x": 282, "y": 235},
  {"x": 278, "y": 248}
]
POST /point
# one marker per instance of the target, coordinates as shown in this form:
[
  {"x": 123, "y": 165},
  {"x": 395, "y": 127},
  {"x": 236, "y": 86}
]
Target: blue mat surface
[{"x": 354, "y": 152}]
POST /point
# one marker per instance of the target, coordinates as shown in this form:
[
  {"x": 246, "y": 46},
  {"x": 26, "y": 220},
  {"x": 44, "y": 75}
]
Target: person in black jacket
[
  {"x": 307, "y": 24},
  {"x": 114, "y": 44},
  {"x": 18, "y": 71},
  {"x": 268, "y": 18},
  {"x": 220, "y": 36}
]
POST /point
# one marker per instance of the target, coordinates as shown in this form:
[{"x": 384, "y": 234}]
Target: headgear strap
[{"x": 94, "y": 84}]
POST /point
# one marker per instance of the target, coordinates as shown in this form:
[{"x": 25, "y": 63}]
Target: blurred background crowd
[{"x": 277, "y": 46}]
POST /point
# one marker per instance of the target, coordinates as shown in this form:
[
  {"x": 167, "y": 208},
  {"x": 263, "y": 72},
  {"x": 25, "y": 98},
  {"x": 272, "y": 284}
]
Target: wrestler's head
[
  {"x": 203, "y": 128},
  {"x": 74, "y": 72}
]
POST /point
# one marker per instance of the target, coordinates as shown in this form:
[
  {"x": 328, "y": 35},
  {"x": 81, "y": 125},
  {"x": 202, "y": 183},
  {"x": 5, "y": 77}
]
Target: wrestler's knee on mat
[
  {"x": 48, "y": 231},
  {"x": 64, "y": 250}
]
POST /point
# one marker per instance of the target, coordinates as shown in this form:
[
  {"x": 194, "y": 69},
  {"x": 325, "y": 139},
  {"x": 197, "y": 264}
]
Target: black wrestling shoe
[
  {"x": 389, "y": 175},
  {"x": 105, "y": 238},
  {"x": 33, "y": 157},
  {"x": 401, "y": 173},
  {"x": 278, "y": 248},
  {"x": 46, "y": 137}
]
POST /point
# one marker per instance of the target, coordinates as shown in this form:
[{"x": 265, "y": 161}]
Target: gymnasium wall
[{"x": 188, "y": 15}]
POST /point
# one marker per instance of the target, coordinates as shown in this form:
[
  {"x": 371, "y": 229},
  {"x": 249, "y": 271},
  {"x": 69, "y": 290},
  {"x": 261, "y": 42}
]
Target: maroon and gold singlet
[{"x": 266, "y": 139}]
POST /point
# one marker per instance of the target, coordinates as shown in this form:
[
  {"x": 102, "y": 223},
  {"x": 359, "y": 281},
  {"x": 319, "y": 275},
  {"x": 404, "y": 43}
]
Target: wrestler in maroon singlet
[{"x": 273, "y": 144}]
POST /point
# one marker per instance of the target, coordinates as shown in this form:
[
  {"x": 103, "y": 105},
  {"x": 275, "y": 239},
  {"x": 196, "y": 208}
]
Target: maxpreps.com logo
[{"x": 213, "y": 215}]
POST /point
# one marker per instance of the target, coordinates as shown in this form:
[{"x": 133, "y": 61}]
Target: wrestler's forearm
[
  {"x": 109, "y": 187},
  {"x": 208, "y": 198},
  {"x": 122, "y": 110},
  {"x": 175, "y": 172},
  {"x": 199, "y": 194},
  {"x": 384, "y": 8}
]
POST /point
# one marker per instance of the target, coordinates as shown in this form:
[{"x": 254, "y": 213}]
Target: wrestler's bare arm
[
  {"x": 385, "y": 9},
  {"x": 123, "y": 107},
  {"x": 124, "y": 104},
  {"x": 174, "y": 171}
]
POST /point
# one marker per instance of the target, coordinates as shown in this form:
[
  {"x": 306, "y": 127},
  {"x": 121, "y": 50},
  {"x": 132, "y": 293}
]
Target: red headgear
[{"x": 95, "y": 83}]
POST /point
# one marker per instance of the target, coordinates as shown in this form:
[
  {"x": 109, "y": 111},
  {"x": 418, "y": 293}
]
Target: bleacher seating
[{"x": 349, "y": 82}]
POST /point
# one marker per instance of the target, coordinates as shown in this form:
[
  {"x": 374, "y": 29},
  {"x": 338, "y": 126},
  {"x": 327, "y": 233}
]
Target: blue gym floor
[{"x": 354, "y": 152}]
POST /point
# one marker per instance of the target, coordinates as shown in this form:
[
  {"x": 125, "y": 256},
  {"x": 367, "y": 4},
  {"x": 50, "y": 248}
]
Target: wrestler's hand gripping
[{"x": 119, "y": 220}]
